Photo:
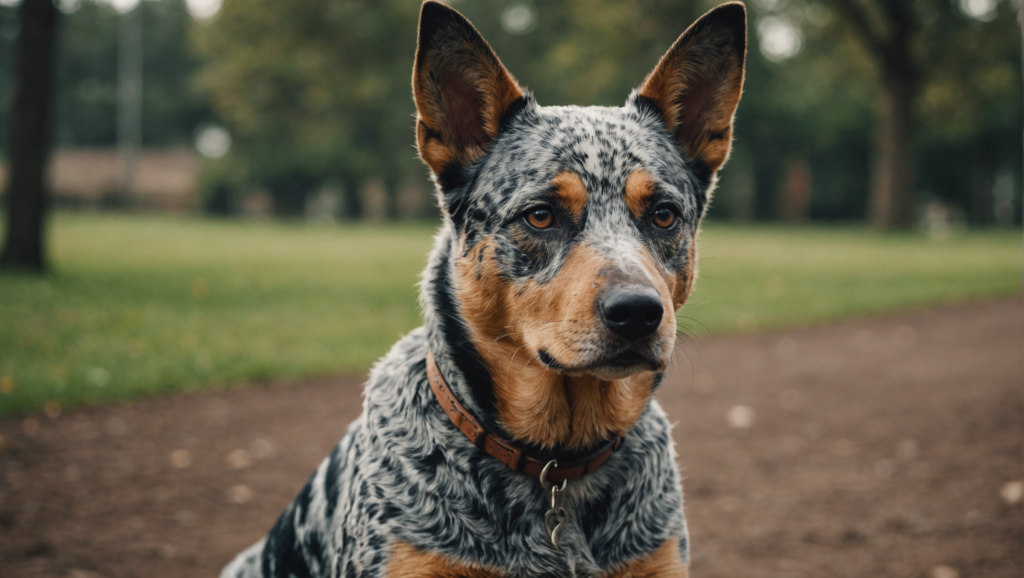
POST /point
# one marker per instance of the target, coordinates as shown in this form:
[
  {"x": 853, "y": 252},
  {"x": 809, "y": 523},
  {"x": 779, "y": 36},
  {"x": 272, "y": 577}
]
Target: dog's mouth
[
  {"x": 630, "y": 358},
  {"x": 617, "y": 365}
]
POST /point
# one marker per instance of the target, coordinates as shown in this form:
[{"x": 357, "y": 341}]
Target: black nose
[{"x": 631, "y": 312}]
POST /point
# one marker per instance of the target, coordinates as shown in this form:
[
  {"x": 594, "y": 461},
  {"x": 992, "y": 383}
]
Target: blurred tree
[
  {"x": 8, "y": 36},
  {"x": 85, "y": 83},
  {"x": 30, "y": 137},
  {"x": 318, "y": 91},
  {"x": 314, "y": 89},
  {"x": 87, "y": 76},
  {"x": 969, "y": 107},
  {"x": 886, "y": 28},
  {"x": 938, "y": 67}
]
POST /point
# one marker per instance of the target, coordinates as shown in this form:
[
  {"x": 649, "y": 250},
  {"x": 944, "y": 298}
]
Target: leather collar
[{"x": 506, "y": 451}]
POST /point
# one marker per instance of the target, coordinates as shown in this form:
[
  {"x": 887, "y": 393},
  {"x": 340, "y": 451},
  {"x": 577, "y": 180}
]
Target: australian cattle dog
[{"x": 515, "y": 434}]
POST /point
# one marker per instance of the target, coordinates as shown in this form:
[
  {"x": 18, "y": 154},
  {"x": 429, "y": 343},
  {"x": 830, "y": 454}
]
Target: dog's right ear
[
  {"x": 697, "y": 85},
  {"x": 461, "y": 89}
]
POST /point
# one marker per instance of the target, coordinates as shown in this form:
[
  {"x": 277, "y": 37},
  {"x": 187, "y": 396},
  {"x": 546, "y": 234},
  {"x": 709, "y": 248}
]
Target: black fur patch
[
  {"x": 282, "y": 555},
  {"x": 463, "y": 352},
  {"x": 331, "y": 477}
]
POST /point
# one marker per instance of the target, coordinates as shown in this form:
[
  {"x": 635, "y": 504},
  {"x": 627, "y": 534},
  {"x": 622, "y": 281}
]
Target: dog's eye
[
  {"x": 540, "y": 218},
  {"x": 664, "y": 217}
]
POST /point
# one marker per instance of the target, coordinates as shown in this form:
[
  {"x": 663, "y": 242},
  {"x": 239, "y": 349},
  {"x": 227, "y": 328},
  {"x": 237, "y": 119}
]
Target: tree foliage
[
  {"x": 314, "y": 89},
  {"x": 826, "y": 103},
  {"x": 85, "y": 108},
  {"x": 318, "y": 91}
]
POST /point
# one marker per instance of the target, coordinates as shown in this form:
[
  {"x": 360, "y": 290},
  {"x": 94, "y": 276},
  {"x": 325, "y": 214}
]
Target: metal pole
[{"x": 129, "y": 102}]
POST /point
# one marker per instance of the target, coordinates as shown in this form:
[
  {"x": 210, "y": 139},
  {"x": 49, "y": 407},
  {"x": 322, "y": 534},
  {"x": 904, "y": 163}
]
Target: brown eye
[
  {"x": 540, "y": 218},
  {"x": 664, "y": 217}
]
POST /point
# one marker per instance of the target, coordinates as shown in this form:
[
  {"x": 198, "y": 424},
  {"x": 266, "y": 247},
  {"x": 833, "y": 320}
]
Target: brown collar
[{"x": 507, "y": 452}]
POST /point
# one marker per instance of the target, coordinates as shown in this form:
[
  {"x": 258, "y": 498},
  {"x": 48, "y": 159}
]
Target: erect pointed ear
[
  {"x": 462, "y": 91},
  {"x": 697, "y": 84}
]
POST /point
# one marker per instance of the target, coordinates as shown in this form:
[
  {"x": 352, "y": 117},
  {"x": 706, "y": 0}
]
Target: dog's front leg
[
  {"x": 665, "y": 562},
  {"x": 407, "y": 561}
]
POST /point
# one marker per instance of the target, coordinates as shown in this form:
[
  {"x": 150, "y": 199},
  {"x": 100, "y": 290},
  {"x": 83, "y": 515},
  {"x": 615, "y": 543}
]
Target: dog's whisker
[
  {"x": 701, "y": 323},
  {"x": 685, "y": 338},
  {"x": 504, "y": 335}
]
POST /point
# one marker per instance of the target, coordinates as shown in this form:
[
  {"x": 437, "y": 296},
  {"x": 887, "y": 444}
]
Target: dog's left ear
[
  {"x": 462, "y": 90},
  {"x": 697, "y": 84}
]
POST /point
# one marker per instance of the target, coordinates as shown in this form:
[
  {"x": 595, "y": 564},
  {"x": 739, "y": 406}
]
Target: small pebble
[
  {"x": 238, "y": 459},
  {"x": 1012, "y": 492},
  {"x": 741, "y": 416},
  {"x": 261, "y": 448},
  {"x": 240, "y": 494},
  {"x": 181, "y": 458},
  {"x": 942, "y": 571},
  {"x": 76, "y": 573}
]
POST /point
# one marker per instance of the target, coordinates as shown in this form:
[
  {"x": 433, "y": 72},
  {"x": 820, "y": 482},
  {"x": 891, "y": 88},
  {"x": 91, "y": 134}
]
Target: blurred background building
[{"x": 303, "y": 108}]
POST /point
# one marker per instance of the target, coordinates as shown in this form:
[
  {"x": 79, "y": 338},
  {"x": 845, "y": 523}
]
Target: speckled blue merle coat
[{"x": 568, "y": 244}]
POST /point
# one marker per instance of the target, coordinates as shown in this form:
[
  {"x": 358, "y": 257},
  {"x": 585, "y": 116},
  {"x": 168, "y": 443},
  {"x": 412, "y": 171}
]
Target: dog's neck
[
  {"x": 448, "y": 337},
  {"x": 531, "y": 405}
]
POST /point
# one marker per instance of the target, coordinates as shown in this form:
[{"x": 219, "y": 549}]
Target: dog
[{"x": 515, "y": 433}]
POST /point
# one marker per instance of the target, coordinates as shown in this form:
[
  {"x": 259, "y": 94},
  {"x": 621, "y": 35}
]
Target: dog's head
[{"x": 574, "y": 229}]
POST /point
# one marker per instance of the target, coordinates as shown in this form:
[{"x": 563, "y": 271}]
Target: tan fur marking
[
  {"x": 482, "y": 292},
  {"x": 697, "y": 87},
  {"x": 571, "y": 192},
  {"x": 510, "y": 323},
  {"x": 640, "y": 187},
  {"x": 684, "y": 280},
  {"x": 434, "y": 153},
  {"x": 409, "y": 562},
  {"x": 604, "y": 409},
  {"x": 665, "y": 562}
]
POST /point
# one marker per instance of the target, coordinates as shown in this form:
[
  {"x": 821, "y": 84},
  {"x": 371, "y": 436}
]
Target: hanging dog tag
[{"x": 557, "y": 516}]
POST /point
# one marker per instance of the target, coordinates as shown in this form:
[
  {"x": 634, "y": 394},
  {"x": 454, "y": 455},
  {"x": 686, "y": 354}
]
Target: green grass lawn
[
  {"x": 140, "y": 305},
  {"x": 754, "y": 278}
]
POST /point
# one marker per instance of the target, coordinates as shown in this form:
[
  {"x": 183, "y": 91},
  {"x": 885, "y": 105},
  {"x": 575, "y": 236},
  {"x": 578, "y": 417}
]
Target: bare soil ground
[{"x": 874, "y": 448}]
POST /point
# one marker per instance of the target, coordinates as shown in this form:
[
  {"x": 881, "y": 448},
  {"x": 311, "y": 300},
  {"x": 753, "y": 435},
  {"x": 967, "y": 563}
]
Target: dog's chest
[{"x": 417, "y": 482}]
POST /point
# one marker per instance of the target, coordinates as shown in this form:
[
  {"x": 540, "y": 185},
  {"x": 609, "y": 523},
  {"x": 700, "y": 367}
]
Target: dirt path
[{"x": 876, "y": 448}]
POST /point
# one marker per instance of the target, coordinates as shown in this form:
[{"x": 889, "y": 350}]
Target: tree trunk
[
  {"x": 29, "y": 147},
  {"x": 980, "y": 206},
  {"x": 892, "y": 203},
  {"x": 353, "y": 203}
]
